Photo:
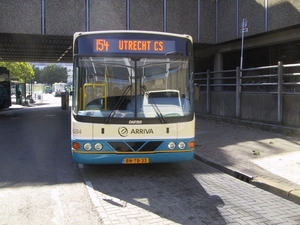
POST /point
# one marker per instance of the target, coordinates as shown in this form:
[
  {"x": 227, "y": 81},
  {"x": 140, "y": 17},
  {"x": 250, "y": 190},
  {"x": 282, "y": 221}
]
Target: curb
[
  {"x": 277, "y": 188},
  {"x": 259, "y": 182}
]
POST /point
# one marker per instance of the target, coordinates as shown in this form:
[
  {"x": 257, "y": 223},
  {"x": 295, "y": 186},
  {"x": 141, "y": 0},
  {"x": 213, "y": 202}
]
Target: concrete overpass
[
  {"x": 35, "y": 48},
  {"x": 42, "y": 31}
]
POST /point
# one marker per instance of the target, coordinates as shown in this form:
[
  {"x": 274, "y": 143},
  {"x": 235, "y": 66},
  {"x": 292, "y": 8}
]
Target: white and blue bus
[{"x": 132, "y": 99}]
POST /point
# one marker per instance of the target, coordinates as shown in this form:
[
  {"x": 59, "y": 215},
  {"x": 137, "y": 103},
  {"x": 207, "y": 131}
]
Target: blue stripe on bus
[{"x": 119, "y": 158}]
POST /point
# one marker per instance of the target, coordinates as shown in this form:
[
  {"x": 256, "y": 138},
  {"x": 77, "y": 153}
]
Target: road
[{"x": 39, "y": 183}]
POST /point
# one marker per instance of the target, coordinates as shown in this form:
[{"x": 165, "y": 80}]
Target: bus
[
  {"x": 57, "y": 88},
  {"x": 132, "y": 98},
  {"x": 5, "y": 92}
]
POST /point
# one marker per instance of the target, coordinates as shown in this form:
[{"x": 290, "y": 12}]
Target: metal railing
[{"x": 278, "y": 79}]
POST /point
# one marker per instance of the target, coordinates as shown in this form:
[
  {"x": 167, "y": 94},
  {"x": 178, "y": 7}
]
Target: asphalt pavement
[{"x": 267, "y": 159}]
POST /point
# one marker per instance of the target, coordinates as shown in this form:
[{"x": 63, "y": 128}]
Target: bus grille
[{"x": 149, "y": 146}]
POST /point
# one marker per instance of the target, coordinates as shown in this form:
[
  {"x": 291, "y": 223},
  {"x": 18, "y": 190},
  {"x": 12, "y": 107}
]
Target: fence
[{"x": 261, "y": 89}]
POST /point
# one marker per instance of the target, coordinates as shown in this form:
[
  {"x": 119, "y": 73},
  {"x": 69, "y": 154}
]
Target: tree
[
  {"x": 21, "y": 71},
  {"x": 53, "y": 73},
  {"x": 38, "y": 74}
]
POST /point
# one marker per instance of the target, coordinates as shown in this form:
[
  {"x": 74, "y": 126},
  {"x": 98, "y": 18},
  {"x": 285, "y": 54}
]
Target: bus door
[{"x": 5, "y": 92}]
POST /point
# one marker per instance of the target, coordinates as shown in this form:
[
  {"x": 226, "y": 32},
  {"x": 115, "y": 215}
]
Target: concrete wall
[
  {"x": 291, "y": 110},
  {"x": 108, "y": 15},
  {"x": 207, "y": 27},
  {"x": 149, "y": 12},
  {"x": 222, "y": 104},
  {"x": 182, "y": 17},
  {"x": 283, "y": 13},
  {"x": 226, "y": 21},
  {"x": 20, "y": 16},
  {"x": 261, "y": 17},
  {"x": 66, "y": 17},
  {"x": 259, "y": 107}
]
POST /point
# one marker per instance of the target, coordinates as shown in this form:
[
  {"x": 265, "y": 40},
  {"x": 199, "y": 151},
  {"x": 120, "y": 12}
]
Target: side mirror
[{"x": 65, "y": 100}]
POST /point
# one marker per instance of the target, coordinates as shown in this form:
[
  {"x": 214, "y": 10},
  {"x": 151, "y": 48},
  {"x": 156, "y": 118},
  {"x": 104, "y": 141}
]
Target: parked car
[{"x": 48, "y": 90}]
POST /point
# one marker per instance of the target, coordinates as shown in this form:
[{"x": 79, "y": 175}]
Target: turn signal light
[
  {"x": 76, "y": 145},
  {"x": 191, "y": 144}
]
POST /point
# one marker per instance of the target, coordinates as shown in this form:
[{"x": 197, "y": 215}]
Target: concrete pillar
[{"x": 218, "y": 68}]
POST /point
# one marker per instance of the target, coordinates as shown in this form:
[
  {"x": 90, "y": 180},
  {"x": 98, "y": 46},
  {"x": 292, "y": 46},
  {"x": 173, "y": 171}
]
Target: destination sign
[{"x": 133, "y": 46}]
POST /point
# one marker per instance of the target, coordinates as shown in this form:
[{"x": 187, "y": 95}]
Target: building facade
[{"x": 215, "y": 25}]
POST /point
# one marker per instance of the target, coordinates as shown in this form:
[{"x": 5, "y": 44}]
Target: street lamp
[{"x": 243, "y": 30}]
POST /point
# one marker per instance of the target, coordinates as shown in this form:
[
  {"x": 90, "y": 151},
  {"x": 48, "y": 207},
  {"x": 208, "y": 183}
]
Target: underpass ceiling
[
  {"x": 54, "y": 49},
  {"x": 35, "y": 48}
]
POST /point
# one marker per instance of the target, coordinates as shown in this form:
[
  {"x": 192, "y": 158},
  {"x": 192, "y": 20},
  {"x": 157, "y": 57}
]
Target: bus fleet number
[{"x": 76, "y": 131}]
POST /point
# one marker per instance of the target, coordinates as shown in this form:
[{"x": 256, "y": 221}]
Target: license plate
[{"x": 135, "y": 160}]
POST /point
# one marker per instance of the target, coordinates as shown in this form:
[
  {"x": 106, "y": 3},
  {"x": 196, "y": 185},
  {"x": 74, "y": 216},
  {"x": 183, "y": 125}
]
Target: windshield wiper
[
  {"x": 153, "y": 104},
  {"x": 117, "y": 105},
  {"x": 157, "y": 111}
]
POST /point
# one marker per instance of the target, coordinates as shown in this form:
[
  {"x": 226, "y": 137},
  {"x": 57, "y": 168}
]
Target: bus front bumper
[{"x": 132, "y": 158}]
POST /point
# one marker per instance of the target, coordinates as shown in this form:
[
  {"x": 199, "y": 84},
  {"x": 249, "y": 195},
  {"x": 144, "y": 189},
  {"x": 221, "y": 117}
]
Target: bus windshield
[{"x": 132, "y": 87}]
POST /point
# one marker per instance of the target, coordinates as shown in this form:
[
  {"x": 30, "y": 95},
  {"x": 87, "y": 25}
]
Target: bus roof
[{"x": 133, "y": 32}]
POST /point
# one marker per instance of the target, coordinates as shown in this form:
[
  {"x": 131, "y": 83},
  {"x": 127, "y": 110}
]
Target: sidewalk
[{"x": 268, "y": 160}]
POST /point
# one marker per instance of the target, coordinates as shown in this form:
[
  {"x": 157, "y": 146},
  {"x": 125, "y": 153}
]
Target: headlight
[
  {"x": 87, "y": 146},
  {"x": 98, "y": 146},
  {"x": 171, "y": 145},
  {"x": 181, "y": 145}
]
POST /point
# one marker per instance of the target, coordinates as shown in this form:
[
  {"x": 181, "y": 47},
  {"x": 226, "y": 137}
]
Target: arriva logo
[
  {"x": 123, "y": 131},
  {"x": 141, "y": 131}
]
